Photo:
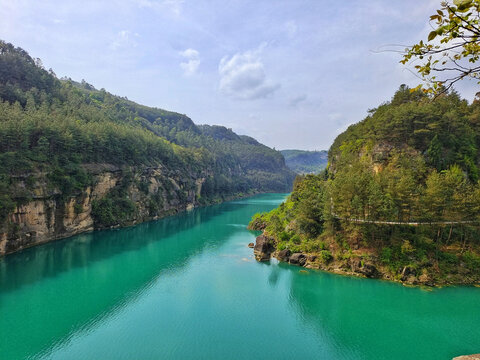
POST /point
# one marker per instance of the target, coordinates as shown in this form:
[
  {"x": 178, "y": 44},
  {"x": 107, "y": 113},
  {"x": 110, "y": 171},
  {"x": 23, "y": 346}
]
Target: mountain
[
  {"x": 305, "y": 162},
  {"x": 400, "y": 199},
  {"x": 74, "y": 158}
]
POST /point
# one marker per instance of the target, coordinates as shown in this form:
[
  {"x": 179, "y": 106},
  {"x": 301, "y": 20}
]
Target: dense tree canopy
[
  {"x": 403, "y": 185},
  {"x": 56, "y": 126}
]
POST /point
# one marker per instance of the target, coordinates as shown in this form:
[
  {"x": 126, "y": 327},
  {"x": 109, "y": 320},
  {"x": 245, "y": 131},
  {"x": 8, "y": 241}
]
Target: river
[{"x": 188, "y": 287}]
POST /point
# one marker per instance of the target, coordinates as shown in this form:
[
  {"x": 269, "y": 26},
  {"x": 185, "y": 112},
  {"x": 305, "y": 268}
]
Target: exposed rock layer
[{"x": 47, "y": 215}]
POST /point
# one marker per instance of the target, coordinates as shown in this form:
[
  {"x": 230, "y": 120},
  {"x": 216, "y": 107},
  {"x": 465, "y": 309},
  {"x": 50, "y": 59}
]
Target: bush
[
  {"x": 386, "y": 255},
  {"x": 113, "y": 211},
  {"x": 296, "y": 239},
  {"x": 472, "y": 261},
  {"x": 7, "y": 205},
  {"x": 284, "y": 236},
  {"x": 325, "y": 256},
  {"x": 78, "y": 208},
  {"x": 448, "y": 258},
  {"x": 294, "y": 248},
  {"x": 315, "y": 246}
]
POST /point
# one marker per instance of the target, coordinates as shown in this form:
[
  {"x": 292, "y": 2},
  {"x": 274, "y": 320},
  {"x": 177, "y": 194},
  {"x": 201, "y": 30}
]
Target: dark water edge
[{"x": 187, "y": 287}]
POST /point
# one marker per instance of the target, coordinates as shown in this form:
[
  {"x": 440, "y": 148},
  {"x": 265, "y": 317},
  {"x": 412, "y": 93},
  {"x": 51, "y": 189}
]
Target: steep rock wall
[{"x": 47, "y": 214}]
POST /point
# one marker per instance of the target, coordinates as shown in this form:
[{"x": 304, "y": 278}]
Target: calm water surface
[{"x": 187, "y": 287}]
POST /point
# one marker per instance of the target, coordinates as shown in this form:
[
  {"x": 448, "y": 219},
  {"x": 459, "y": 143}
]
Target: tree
[{"x": 452, "y": 48}]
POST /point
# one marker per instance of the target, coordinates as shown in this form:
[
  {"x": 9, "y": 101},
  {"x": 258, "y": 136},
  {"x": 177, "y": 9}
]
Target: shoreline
[
  {"x": 172, "y": 212},
  {"x": 265, "y": 249}
]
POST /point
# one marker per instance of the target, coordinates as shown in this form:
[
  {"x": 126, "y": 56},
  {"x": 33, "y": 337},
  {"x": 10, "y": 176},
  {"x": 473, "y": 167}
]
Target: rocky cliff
[
  {"x": 74, "y": 158},
  {"x": 45, "y": 215}
]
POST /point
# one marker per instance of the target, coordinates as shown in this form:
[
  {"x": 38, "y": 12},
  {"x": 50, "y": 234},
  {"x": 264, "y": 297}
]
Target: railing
[{"x": 407, "y": 223}]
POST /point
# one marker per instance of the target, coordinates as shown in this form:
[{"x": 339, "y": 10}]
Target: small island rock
[{"x": 263, "y": 248}]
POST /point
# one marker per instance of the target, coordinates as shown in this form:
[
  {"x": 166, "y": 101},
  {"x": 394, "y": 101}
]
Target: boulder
[
  {"x": 251, "y": 245},
  {"x": 263, "y": 248},
  {"x": 358, "y": 266},
  {"x": 312, "y": 258},
  {"x": 468, "y": 357},
  {"x": 297, "y": 259},
  {"x": 369, "y": 270},
  {"x": 284, "y": 255}
]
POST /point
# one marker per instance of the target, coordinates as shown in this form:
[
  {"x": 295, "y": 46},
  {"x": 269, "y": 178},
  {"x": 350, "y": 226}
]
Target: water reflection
[
  {"x": 51, "y": 259},
  {"x": 371, "y": 319},
  {"x": 187, "y": 287},
  {"x": 49, "y": 292}
]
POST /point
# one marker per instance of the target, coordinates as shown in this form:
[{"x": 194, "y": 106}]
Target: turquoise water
[{"x": 187, "y": 287}]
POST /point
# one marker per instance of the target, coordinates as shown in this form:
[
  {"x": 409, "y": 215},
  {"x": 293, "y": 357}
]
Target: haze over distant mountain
[{"x": 305, "y": 162}]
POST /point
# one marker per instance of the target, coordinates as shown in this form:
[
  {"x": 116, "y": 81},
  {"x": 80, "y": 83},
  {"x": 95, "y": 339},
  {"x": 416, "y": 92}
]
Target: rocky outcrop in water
[{"x": 264, "y": 246}]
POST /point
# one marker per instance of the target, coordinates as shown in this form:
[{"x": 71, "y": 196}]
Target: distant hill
[
  {"x": 305, "y": 162},
  {"x": 74, "y": 158}
]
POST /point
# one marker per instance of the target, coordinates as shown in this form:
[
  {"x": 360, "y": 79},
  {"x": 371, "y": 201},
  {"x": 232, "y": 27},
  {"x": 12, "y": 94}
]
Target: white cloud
[
  {"x": 192, "y": 62},
  {"x": 124, "y": 39},
  {"x": 190, "y": 53},
  {"x": 243, "y": 76}
]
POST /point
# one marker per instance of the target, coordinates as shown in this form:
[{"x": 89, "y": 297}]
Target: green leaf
[
  {"x": 441, "y": 30},
  {"x": 432, "y": 35},
  {"x": 462, "y": 2}
]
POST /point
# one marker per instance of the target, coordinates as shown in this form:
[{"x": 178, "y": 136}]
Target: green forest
[
  {"x": 401, "y": 195},
  {"x": 54, "y": 127}
]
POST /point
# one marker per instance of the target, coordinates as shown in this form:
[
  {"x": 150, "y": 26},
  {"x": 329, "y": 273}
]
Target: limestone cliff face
[{"x": 48, "y": 215}]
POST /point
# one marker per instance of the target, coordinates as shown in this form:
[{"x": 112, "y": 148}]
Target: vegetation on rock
[{"x": 401, "y": 194}]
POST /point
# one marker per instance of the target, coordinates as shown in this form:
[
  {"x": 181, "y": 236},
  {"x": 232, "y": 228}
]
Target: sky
[{"x": 291, "y": 73}]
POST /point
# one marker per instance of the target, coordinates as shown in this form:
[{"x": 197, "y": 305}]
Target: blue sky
[{"x": 292, "y": 74}]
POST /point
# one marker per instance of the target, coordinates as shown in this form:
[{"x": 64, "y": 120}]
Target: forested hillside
[
  {"x": 400, "y": 198},
  {"x": 60, "y": 138},
  {"x": 305, "y": 162}
]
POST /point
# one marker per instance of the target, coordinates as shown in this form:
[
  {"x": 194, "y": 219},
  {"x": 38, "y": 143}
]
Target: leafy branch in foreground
[{"x": 452, "y": 48}]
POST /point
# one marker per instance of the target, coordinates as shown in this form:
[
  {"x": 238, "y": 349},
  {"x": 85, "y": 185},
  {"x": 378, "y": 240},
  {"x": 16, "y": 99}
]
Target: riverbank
[
  {"x": 48, "y": 217},
  {"x": 363, "y": 262},
  {"x": 141, "y": 292}
]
